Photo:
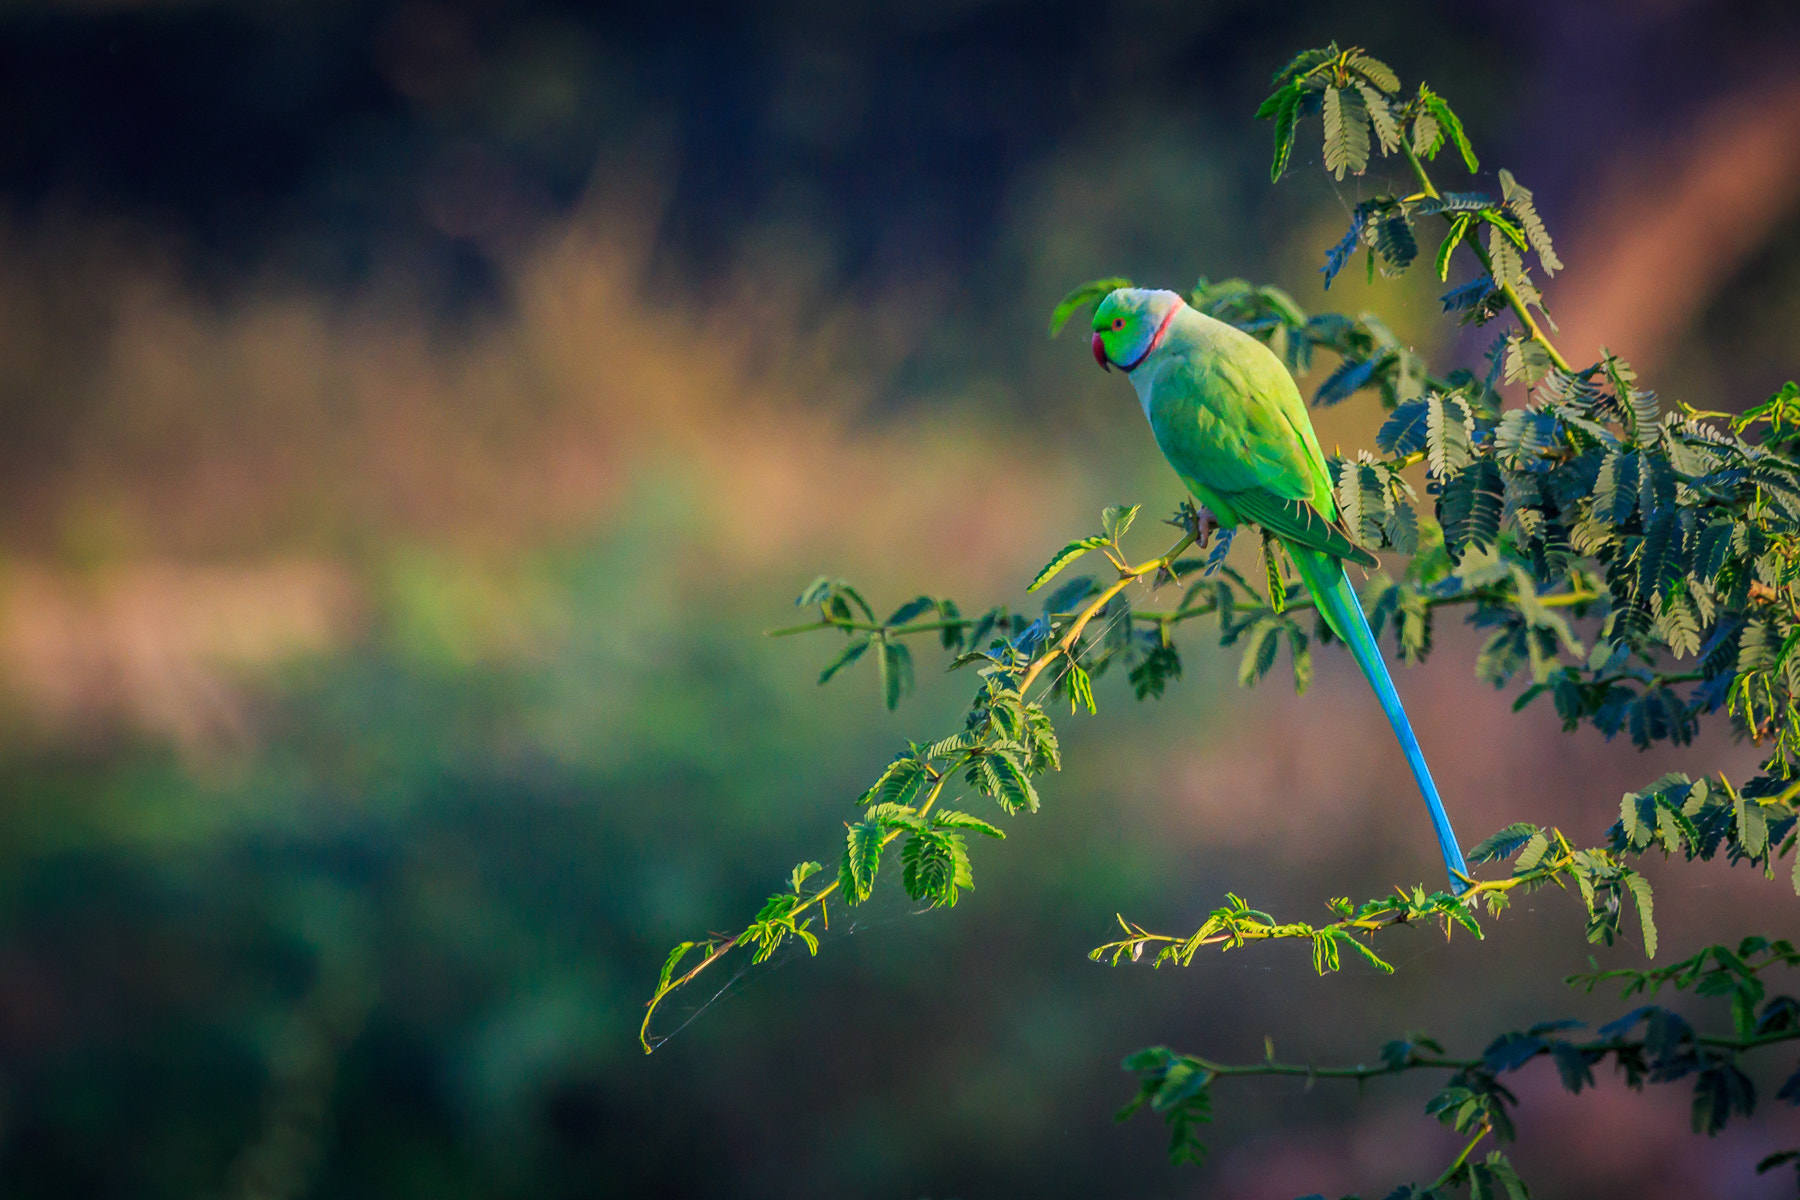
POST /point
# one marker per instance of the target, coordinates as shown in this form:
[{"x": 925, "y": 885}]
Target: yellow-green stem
[
  {"x": 1513, "y": 300},
  {"x": 731, "y": 943},
  {"x": 1192, "y": 943},
  {"x": 1462, "y": 1158},
  {"x": 1127, "y": 577}
]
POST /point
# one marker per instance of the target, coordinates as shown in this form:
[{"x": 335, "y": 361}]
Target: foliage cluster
[{"x": 1637, "y": 568}]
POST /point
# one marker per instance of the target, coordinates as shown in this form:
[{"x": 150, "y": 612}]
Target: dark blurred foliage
[
  {"x": 373, "y": 915},
  {"x": 325, "y": 135}
]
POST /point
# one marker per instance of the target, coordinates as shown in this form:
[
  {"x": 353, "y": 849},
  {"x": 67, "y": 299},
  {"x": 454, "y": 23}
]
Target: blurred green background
[{"x": 416, "y": 411}]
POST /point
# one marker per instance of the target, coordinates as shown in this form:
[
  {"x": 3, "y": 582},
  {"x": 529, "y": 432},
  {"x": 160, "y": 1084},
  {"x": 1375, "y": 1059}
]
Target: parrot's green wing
[
  {"x": 1299, "y": 522},
  {"x": 1231, "y": 421}
]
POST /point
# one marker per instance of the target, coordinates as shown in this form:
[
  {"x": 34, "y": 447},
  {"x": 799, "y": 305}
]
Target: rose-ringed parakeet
[{"x": 1230, "y": 420}]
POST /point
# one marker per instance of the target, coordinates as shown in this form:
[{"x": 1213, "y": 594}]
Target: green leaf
[
  {"x": 950, "y": 818},
  {"x": 1286, "y": 126},
  {"x": 896, "y": 672},
  {"x": 1376, "y": 72},
  {"x": 1150, "y": 678},
  {"x": 1046, "y": 755},
  {"x": 1404, "y": 431},
  {"x": 1572, "y": 1066},
  {"x": 1501, "y": 845},
  {"x": 1272, "y": 103},
  {"x": 1071, "y": 593},
  {"x": 952, "y": 632},
  {"x": 1117, "y": 519},
  {"x": 1401, "y": 529},
  {"x": 1427, "y": 135},
  {"x": 849, "y": 654},
  {"x": 1447, "y": 434},
  {"x": 930, "y": 868},
  {"x": 1765, "y": 1165},
  {"x": 894, "y": 816},
  {"x": 1346, "y": 132},
  {"x": 1640, "y": 893},
  {"x": 1469, "y": 507},
  {"x": 1752, "y": 826},
  {"x": 1156, "y": 1058},
  {"x": 912, "y": 608},
  {"x": 1455, "y": 202},
  {"x": 815, "y": 592},
  {"x": 1414, "y": 630},
  {"x": 953, "y": 745},
  {"x": 1260, "y": 647},
  {"x": 1349, "y": 939},
  {"x": 1393, "y": 239},
  {"x": 862, "y": 858},
  {"x": 844, "y": 589},
  {"x": 1003, "y": 779},
  {"x": 1434, "y": 104},
  {"x": 801, "y": 873},
  {"x": 1459, "y": 228},
  {"x": 671, "y": 962},
  {"x": 900, "y": 784},
  {"x": 1381, "y": 117},
  {"x": 1303, "y": 664},
  {"x": 1063, "y": 558},
  {"x": 1502, "y": 1172},
  {"x": 1273, "y": 577},
  {"x": 1719, "y": 1091},
  {"x": 1080, "y": 687},
  {"x": 1519, "y": 199},
  {"x": 1350, "y": 496},
  {"x": 1509, "y": 267},
  {"x": 1526, "y": 358},
  {"x": 1339, "y": 254},
  {"x": 1300, "y": 64},
  {"x": 1532, "y": 853},
  {"x": 1091, "y": 292},
  {"x": 1659, "y": 558},
  {"x": 962, "y": 873},
  {"x": 1500, "y": 221}
]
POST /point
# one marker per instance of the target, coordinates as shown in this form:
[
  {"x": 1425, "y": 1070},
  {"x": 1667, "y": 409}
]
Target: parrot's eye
[{"x": 1118, "y": 324}]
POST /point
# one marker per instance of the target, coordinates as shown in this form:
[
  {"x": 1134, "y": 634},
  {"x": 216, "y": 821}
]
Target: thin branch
[
  {"x": 736, "y": 940},
  {"x": 1063, "y": 646},
  {"x": 870, "y": 627},
  {"x": 1216, "y": 932},
  {"x": 1127, "y": 576},
  {"x": 1362, "y": 1072},
  {"x": 1486, "y": 1128}
]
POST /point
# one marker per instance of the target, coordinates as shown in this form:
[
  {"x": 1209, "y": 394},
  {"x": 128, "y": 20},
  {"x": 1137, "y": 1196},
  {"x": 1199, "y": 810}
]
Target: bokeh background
[{"x": 414, "y": 413}]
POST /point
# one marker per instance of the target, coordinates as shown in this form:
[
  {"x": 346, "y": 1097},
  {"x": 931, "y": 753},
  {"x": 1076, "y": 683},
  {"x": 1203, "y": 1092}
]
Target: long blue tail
[{"x": 1325, "y": 579}]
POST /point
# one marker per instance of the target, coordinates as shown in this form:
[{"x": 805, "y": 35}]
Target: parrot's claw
[{"x": 1198, "y": 520}]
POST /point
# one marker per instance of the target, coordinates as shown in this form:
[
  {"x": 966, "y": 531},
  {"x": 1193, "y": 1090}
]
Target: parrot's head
[{"x": 1130, "y": 323}]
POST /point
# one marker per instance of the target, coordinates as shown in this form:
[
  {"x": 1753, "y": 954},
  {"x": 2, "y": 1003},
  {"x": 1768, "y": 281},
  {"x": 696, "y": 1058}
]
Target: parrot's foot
[{"x": 1198, "y": 520}]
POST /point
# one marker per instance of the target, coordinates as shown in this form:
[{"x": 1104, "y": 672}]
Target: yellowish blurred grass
[{"x": 240, "y": 474}]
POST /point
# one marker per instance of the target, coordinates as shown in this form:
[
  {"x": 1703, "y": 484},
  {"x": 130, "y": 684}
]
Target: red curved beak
[{"x": 1100, "y": 354}]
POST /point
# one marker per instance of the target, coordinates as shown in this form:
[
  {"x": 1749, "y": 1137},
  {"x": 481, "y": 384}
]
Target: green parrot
[{"x": 1230, "y": 420}]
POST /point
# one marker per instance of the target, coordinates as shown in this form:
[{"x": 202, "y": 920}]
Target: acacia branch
[
  {"x": 1063, "y": 646},
  {"x": 1226, "y": 928},
  {"x": 1127, "y": 576},
  {"x": 1418, "y": 1062},
  {"x": 1511, "y": 295}
]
